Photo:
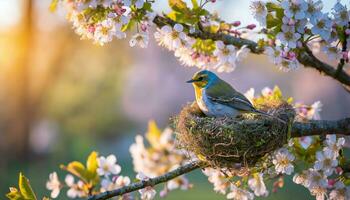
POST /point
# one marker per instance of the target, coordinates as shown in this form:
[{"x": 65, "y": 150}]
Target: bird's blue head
[{"x": 202, "y": 78}]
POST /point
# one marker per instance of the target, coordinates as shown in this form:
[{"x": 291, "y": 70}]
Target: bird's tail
[{"x": 271, "y": 116}]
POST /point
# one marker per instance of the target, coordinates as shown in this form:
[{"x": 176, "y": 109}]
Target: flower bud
[
  {"x": 236, "y": 23},
  {"x": 251, "y": 26},
  {"x": 347, "y": 31}
]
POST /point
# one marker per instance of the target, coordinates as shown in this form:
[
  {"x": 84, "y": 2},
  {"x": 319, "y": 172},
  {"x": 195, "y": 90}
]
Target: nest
[{"x": 233, "y": 142}]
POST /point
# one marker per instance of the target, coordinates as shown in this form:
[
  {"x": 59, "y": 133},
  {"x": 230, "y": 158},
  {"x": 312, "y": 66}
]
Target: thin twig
[{"x": 150, "y": 182}]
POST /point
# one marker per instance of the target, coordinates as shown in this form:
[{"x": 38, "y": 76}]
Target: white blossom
[
  {"x": 242, "y": 53},
  {"x": 54, "y": 185},
  {"x": 341, "y": 14},
  {"x": 227, "y": 56},
  {"x": 250, "y": 94},
  {"x": 322, "y": 26},
  {"x": 118, "y": 182},
  {"x": 266, "y": 91},
  {"x": 107, "y": 166},
  {"x": 75, "y": 189},
  {"x": 218, "y": 179},
  {"x": 334, "y": 145},
  {"x": 340, "y": 192},
  {"x": 283, "y": 161},
  {"x": 332, "y": 52},
  {"x": 147, "y": 193},
  {"x": 225, "y": 53},
  {"x": 274, "y": 54},
  {"x": 315, "y": 178},
  {"x": 257, "y": 185},
  {"x": 180, "y": 182},
  {"x": 314, "y": 112},
  {"x": 326, "y": 162},
  {"x": 314, "y": 8},
  {"x": 289, "y": 64},
  {"x": 294, "y": 8},
  {"x": 239, "y": 194},
  {"x": 288, "y": 36},
  {"x": 301, "y": 178},
  {"x": 259, "y": 11},
  {"x": 319, "y": 192},
  {"x": 306, "y": 141},
  {"x": 169, "y": 37},
  {"x": 139, "y": 39}
]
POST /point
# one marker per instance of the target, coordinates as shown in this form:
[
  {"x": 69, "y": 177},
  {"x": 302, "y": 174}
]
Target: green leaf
[
  {"x": 194, "y": 4},
  {"x": 273, "y": 7},
  {"x": 178, "y": 5},
  {"x": 25, "y": 188},
  {"x": 271, "y": 21},
  {"x": 53, "y": 5}
]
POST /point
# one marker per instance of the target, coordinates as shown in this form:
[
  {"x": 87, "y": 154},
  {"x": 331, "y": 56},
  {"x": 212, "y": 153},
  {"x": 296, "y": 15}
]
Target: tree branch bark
[
  {"x": 307, "y": 58},
  {"x": 150, "y": 182},
  {"x": 321, "y": 127},
  {"x": 299, "y": 129}
]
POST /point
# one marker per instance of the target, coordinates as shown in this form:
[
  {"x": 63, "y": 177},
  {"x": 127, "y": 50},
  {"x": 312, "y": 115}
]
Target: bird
[{"x": 217, "y": 98}]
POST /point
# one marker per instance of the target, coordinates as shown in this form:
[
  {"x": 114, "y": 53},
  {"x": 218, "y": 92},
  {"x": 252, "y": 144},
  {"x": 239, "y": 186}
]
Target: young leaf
[
  {"x": 178, "y": 5},
  {"x": 77, "y": 169},
  {"x": 277, "y": 93},
  {"x": 14, "y": 194},
  {"x": 194, "y": 4},
  {"x": 53, "y": 5},
  {"x": 271, "y": 21},
  {"x": 91, "y": 167},
  {"x": 153, "y": 134},
  {"x": 91, "y": 163},
  {"x": 25, "y": 188}
]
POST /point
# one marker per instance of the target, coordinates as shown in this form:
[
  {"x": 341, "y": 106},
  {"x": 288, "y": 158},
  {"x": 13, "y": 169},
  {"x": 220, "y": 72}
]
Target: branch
[
  {"x": 299, "y": 129},
  {"x": 150, "y": 182},
  {"x": 306, "y": 58},
  {"x": 321, "y": 127},
  {"x": 309, "y": 60}
]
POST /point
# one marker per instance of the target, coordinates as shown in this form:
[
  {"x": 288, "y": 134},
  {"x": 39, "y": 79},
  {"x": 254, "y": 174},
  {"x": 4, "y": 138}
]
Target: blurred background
[{"x": 62, "y": 97}]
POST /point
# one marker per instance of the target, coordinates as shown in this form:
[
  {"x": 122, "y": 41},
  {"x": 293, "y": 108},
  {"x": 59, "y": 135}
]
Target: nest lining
[{"x": 233, "y": 142}]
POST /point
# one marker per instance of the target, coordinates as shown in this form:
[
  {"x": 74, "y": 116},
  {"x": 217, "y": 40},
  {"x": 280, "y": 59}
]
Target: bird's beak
[{"x": 190, "y": 81}]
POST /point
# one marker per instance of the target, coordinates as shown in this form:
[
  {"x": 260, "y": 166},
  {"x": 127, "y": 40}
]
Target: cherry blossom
[
  {"x": 283, "y": 161},
  {"x": 54, "y": 185},
  {"x": 107, "y": 166}
]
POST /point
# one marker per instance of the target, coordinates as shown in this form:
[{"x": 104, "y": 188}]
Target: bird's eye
[{"x": 200, "y": 78}]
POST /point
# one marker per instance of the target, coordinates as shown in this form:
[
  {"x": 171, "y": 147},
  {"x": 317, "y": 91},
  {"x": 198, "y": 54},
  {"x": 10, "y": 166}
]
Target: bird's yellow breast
[{"x": 198, "y": 92}]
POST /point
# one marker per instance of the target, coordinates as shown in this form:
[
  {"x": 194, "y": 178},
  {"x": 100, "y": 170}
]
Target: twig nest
[{"x": 233, "y": 142}]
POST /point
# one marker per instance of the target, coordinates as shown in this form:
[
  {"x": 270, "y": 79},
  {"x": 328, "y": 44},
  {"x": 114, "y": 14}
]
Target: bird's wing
[{"x": 222, "y": 93}]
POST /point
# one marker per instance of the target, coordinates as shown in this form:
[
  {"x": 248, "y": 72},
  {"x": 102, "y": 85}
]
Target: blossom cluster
[
  {"x": 102, "y": 174},
  {"x": 160, "y": 157},
  {"x": 323, "y": 179},
  {"x": 289, "y": 26},
  {"x": 294, "y": 23},
  {"x": 222, "y": 59},
  {"x": 106, "y": 169},
  {"x": 103, "y": 20}
]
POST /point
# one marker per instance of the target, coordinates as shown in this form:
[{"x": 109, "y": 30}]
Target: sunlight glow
[{"x": 9, "y": 13}]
